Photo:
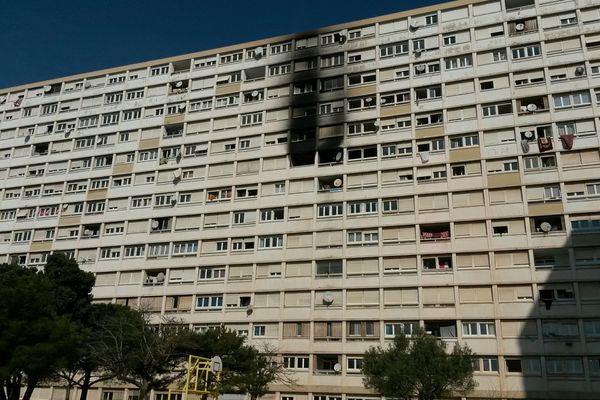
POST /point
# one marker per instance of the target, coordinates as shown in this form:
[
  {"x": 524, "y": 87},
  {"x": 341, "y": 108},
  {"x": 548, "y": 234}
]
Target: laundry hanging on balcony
[
  {"x": 567, "y": 141},
  {"x": 424, "y": 156},
  {"x": 545, "y": 144},
  {"x": 525, "y": 145}
]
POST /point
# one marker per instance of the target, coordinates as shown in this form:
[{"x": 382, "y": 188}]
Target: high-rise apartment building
[{"x": 324, "y": 191}]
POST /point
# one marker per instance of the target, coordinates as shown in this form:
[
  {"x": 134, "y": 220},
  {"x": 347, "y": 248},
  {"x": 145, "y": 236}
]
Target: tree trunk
[
  {"x": 13, "y": 387},
  {"x": 31, "y": 384},
  {"x": 144, "y": 391},
  {"x": 68, "y": 391},
  {"x": 85, "y": 385},
  {"x": 2, "y": 391}
]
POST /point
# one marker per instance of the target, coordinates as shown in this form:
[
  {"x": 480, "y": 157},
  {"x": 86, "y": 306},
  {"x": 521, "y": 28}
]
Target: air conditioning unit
[{"x": 519, "y": 26}]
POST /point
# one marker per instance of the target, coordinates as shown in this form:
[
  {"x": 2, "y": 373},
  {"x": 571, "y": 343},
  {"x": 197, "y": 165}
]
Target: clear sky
[{"x": 44, "y": 39}]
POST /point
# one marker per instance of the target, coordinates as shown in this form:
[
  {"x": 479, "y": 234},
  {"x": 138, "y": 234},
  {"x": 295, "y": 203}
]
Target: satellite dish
[
  {"x": 420, "y": 67},
  {"x": 177, "y": 173},
  {"x": 338, "y": 182},
  {"x": 216, "y": 365},
  {"x": 258, "y": 52},
  {"x": 173, "y": 201},
  {"x": 579, "y": 71},
  {"x": 340, "y": 37},
  {"x": 65, "y": 207},
  {"x": 2, "y": 99},
  {"x": 160, "y": 277},
  {"x": 87, "y": 84},
  {"x": 27, "y": 138},
  {"x": 520, "y": 26},
  {"x": 179, "y": 84},
  {"x": 181, "y": 107},
  {"x": 328, "y": 298},
  {"x": 531, "y": 107},
  {"x": 154, "y": 224},
  {"x": 339, "y": 156},
  {"x": 47, "y": 88},
  {"x": 414, "y": 24},
  {"x": 369, "y": 99},
  {"x": 545, "y": 227},
  {"x": 417, "y": 53},
  {"x": 87, "y": 232},
  {"x": 255, "y": 93},
  {"x": 383, "y": 100},
  {"x": 528, "y": 134},
  {"x": 337, "y": 367}
]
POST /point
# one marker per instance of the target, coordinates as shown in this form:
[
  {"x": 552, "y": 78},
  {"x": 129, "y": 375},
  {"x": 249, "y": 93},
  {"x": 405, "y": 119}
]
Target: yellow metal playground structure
[{"x": 197, "y": 377}]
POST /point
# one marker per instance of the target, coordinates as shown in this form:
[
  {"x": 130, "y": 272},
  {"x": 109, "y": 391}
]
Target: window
[
  {"x": 390, "y": 99},
  {"x": 354, "y": 364},
  {"x": 571, "y": 99},
  {"x": 333, "y": 60},
  {"x": 274, "y": 214},
  {"x": 363, "y": 207},
  {"x": 397, "y": 328},
  {"x": 363, "y": 237},
  {"x": 449, "y": 40},
  {"x": 464, "y": 141},
  {"x": 496, "y": 109},
  {"x": 431, "y": 119},
  {"x": 564, "y": 366},
  {"x": 259, "y": 330},
  {"x": 479, "y": 329},
  {"x": 499, "y": 55},
  {"x": 270, "y": 242},
  {"x": 209, "y": 302},
  {"x": 525, "y": 366},
  {"x": 251, "y": 119},
  {"x": 431, "y": 19},
  {"x": 330, "y": 210},
  {"x": 296, "y": 362},
  {"x": 485, "y": 364},
  {"x": 459, "y": 62},
  {"x": 280, "y": 69},
  {"x": 329, "y": 267},
  {"x": 526, "y": 52},
  {"x": 359, "y": 79},
  {"x": 394, "y": 49}
]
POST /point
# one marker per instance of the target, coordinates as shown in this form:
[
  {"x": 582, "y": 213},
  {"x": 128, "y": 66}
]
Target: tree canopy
[{"x": 418, "y": 367}]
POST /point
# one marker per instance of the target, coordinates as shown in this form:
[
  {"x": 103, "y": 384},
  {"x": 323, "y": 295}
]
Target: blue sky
[{"x": 44, "y": 39}]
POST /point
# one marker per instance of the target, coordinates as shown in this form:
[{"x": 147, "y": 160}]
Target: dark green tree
[
  {"x": 139, "y": 353},
  {"x": 264, "y": 370},
  {"x": 35, "y": 339},
  {"x": 418, "y": 367}
]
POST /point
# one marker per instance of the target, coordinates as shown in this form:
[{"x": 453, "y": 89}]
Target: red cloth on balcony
[
  {"x": 567, "y": 141},
  {"x": 544, "y": 144}
]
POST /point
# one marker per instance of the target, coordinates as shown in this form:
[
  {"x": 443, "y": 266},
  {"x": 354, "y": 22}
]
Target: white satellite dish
[
  {"x": 65, "y": 207},
  {"x": 337, "y": 367},
  {"x": 154, "y": 224},
  {"x": 87, "y": 232},
  {"x": 255, "y": 93},
  {"x": 420, "y": 67},
  {"x": 369, "y": 99},
  {"x": 417, "y": 52},
  {"x": 340, "y": 37},
  {"x": 545, "y": 227},
  {"x": 579, "y": 71},
  {"x": 47, "y": 88},
  {"x": 528, "y": 134},
  {"x": 338, "y": 182},
  {"x": 531, "y": 107},
  {"x": 179, "y": 84},
  {"x": 181, "y": 107},
  {"x": 520, "y": 26},
  {"x": 414, "y": 24},
  {"x": 160, "y": 277},
  {"x": 216, "y": 365},
  {"x": 87, "y": 84},
  {"x": 328, "y": 298},
  {"x": 177, "y": 173},
  {"x": 258, "y": 52},
  {"x": 338, "y": 156}
]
